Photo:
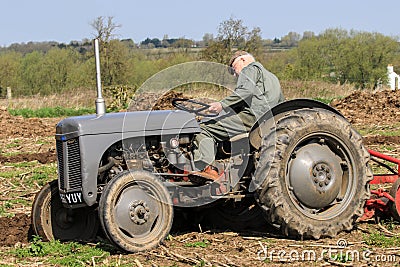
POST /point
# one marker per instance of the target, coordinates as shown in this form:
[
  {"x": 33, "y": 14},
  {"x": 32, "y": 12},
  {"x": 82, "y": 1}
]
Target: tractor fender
[{"x": 265, "y": 122}]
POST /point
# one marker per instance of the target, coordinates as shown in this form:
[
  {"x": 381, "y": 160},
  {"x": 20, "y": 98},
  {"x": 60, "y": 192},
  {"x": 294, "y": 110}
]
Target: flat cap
[{"x": 236, "y": 55}]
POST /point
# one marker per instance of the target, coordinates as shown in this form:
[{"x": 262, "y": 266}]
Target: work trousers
[{"x": 214, "y": 131}]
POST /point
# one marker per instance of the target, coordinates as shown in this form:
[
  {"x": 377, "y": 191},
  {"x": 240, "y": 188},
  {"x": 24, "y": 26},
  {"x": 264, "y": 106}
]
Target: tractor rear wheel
[
  {"x": 136, "y": 211},
  {"x": 51, "y": 220},
  {"x": 312, "y": 174}
]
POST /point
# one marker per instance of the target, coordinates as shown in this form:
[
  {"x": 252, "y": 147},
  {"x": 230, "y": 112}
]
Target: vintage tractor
[
  {"x": 303, "y": 163},
  {"x": 302, "y": 166}
]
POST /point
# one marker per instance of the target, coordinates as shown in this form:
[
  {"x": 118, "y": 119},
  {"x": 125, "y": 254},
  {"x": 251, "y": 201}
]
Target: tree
[
  {"x": 232, "y": 34},
  {"x": 291, "y": 39},
  {"x": 311, "y": 63},
  {"x": 104, "y": 28},
  {"x": 58, "y": 64},
  {"x": 370, "y": 54},
  {"x": 254, "y": 42},
  {"x": 9, "y": 67},
  {"x": 308, "y": 35},
  {"x": 112, "y": 53},
  {"x": 357, "y": 57},
  {"x": 207, "y": 39},
  {"x": 216, "y": 51},
  {"x": 31, "y": 74}
]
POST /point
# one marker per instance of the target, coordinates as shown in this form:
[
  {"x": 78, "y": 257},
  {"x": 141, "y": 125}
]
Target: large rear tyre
[
  {"x": 313, "y": 174},
  {"x": 136, "y": 211},
  {"x": 51, "y": 220}
]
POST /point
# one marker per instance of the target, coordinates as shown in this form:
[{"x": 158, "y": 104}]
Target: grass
[
  {"x": 22, "y": 181},
  {"x": 50, "y": 112},
  {"x": 56, "y": 253},
  {"x": 318, "y": 90},
  {"x": 378, "y": 239},
  {"x": 78, "y": 98},
  {"x": 14, "y": 143},
  {"x": 199, "y": 244},
  {"x": 84, "y": 98},
  {"x": 383, "y": 130}
]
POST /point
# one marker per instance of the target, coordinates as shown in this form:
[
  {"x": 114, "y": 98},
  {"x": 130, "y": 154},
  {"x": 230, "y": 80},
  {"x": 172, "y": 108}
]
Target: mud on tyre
[
  {"x": 312, "y": 174},
  {"x": 51, "y": 220},
  {"x": 136, "y": 211}
]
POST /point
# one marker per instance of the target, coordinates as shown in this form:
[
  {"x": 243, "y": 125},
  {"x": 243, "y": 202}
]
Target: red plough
[{"x": 386, "y": 202}]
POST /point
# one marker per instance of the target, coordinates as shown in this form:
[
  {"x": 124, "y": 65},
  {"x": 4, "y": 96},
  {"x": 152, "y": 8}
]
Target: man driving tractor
[{"x": 257, "y": 91}]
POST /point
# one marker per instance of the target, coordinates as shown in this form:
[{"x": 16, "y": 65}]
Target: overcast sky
[{"x": 63, "y": 21}]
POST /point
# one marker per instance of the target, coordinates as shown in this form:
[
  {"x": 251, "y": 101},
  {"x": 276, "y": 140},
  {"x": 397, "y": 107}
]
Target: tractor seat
[{"x": 240, "y": 140}]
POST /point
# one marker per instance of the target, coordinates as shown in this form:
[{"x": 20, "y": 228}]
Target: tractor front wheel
[
  {"x": 136, "y": 211},
  {"x": 51, "y": 220}
]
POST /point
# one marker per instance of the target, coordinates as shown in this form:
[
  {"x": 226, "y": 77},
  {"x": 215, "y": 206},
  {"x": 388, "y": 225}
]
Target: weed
[
  {"x": 15, "y": 143},
  {"x": 324, "y": 100},
  {"x": 50, "y": 112},
  {"x": 380, "y": 240},
  {"x": 198, "y": 244},
  {"x": 23, "y": 180},
  {"x": 43, "y": 142},
  {"x": 57, "y": 253},
  {"x": 385, "y": 130},
  {"x": 340, "y": 257},
  {"x": 4, "y": 213},
  {"x": 22, "y": 164},
  {"x": 390, "y": 223}
]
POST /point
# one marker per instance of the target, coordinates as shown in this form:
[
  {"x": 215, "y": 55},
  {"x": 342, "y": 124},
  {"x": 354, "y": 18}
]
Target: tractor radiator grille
[
  {"x": 69, "y": 164},
  {"x": 60, "y": 159}
]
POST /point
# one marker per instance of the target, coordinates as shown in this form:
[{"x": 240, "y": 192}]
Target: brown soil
[
  {"x": 44, "y": 157},
  {"x": 362, "y": 108},
  {"x": 15, "y": 230},
  {"x": 377, "y": 108},
  {"x": 16, "y": 127}
]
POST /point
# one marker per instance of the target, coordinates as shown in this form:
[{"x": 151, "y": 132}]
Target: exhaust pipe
[{"x": 100, "y": 103}]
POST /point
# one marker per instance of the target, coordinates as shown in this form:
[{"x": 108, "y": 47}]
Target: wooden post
[{"x": 9, "y": 94}]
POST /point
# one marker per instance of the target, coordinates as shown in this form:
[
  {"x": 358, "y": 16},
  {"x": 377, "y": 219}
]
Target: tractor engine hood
[{"x": 138, "y": 123}]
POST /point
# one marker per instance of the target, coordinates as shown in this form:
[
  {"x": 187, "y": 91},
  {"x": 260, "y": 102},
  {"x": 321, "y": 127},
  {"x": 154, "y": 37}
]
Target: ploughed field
[{"x": 27, "y": 150}]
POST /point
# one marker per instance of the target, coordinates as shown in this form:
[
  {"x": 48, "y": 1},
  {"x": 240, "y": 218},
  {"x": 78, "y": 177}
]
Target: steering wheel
[{"x": 179, "y": 104}]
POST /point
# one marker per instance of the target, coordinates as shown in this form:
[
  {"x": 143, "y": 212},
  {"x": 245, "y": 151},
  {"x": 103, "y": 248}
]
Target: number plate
[{"x": 72, "y": 198}]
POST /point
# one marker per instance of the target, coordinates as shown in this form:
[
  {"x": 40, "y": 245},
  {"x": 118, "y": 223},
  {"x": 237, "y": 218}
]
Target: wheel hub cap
[
  {"x": 315, "y": 175},
  {"x": 322, "y": 176},
  {"x": 139, "y": 212}
]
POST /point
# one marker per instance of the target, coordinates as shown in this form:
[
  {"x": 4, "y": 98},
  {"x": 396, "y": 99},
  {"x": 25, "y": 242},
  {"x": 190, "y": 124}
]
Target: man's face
[{"x": 238, "y": 64}]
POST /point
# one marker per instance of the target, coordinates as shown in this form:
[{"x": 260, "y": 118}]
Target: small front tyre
[
  {"x": 136, "y": 211},
  {"x": 51, "y": 220}
]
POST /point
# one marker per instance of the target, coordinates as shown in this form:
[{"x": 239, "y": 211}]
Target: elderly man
[{"x": 257, "y": 91}]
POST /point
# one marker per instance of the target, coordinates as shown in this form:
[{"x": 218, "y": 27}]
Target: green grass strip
[{"x": 52, "y": 112}]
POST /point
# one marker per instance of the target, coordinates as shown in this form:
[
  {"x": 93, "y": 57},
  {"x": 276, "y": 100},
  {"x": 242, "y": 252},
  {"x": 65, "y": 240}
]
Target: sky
[{"x": 23, "y": 21}]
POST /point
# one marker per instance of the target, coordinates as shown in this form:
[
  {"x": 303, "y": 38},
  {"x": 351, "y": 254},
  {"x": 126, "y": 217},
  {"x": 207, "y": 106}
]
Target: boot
[{"x": 210, "y": 173}]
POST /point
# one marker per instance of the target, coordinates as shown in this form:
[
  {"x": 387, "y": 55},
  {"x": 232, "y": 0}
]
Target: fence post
[{"x": 9, "y": 94}]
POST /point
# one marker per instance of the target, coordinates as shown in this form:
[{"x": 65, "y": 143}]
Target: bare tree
[
  {"x": 104, "y": 28},
  {"x": 232, "y": 34},
  {"x": 232, "y": 31}
]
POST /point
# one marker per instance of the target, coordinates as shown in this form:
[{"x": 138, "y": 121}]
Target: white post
[
  {"x": 100, "y": 103},
  {"x": 9, "y": 93},
  {"x": 392, "y": 77}
]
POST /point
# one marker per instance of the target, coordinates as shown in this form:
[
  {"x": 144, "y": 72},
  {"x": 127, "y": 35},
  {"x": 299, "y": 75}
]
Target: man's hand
[{"x": 215, "y": 107}]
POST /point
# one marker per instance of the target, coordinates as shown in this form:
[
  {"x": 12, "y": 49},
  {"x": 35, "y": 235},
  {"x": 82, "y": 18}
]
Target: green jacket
[{"x": 257, "y": 91}]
